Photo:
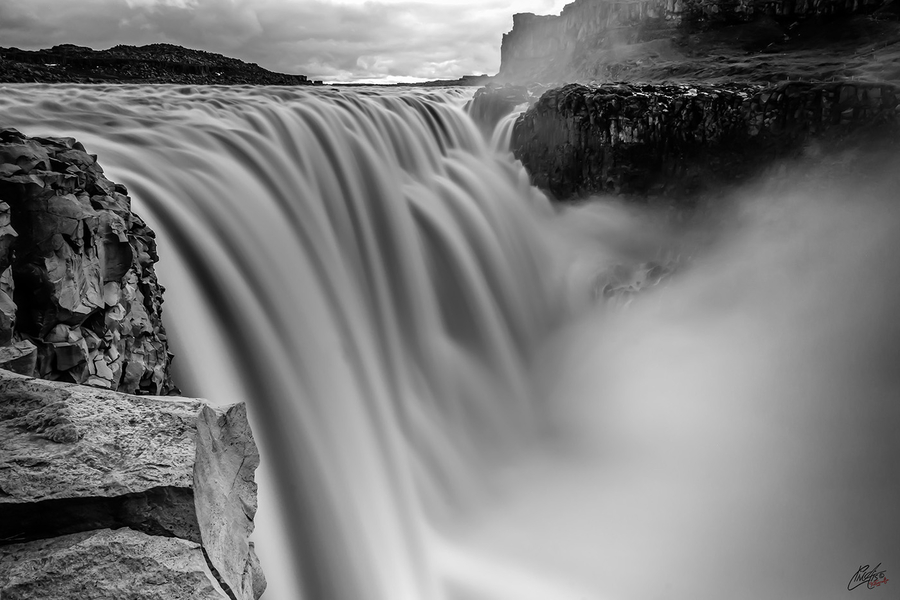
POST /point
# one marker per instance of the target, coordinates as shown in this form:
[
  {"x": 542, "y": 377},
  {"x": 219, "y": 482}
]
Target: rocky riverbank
[
  {"x": 678, "y": 140},
  {"x": 104, "y": 494},
  {"x": 154, "y": 63}
]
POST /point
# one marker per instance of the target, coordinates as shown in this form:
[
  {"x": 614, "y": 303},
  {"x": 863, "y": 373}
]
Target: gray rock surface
[
  {"x": 107, "y": 565},
  {"x": 225, "y": 496},
  {"x": 79, "y": 297},
  {"x": 74, "y": 459}
]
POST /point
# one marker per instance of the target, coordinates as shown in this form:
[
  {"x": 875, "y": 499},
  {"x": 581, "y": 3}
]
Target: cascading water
[{"x": 444, "y": 415}]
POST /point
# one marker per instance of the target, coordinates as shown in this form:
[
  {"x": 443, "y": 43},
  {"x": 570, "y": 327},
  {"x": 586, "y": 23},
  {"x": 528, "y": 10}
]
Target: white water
[{"x": 444, "y": 413}]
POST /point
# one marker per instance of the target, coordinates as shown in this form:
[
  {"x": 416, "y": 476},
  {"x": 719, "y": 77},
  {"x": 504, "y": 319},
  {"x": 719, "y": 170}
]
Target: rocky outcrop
[
  {"x": 675, "y": 141},
  {"x": 650, "y": 40},
  {"x": 154, "y": 63},
  {"x": 123, "y": 564},
  {"x": 79, "y": 297},
  {"x": 109, "y": 491},
  {"x": 491, "y": 103}
]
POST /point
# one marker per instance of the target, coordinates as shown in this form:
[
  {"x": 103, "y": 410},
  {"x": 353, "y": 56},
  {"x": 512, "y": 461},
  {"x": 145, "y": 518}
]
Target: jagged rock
[
  {"x": 100, "y": 565},
  {"x": 76, "y": 271},
  {"x": 74, "y": 459},
  {"x": 225, "y": 496},
  {"x": 677, "y": 140}
]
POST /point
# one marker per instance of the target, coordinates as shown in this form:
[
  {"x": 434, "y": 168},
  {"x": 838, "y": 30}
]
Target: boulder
[
  {"x": 77, "y": 279},
  {"x": 100, "y": 565},
  {"x": 75, "y": 459}
]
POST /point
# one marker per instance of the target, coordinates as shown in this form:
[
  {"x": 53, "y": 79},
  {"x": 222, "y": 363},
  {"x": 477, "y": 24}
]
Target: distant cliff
[
  {"x": 154, "y": 63},
  {"x": 649, "y": 39}
]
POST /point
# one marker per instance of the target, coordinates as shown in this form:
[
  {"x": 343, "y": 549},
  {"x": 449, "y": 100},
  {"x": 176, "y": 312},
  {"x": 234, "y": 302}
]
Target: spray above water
[{"x": 445, "y": 414}]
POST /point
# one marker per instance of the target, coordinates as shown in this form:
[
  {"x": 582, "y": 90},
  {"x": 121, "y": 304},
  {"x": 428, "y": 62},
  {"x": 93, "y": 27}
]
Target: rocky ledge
[
  {"x": 108, "y": 495},
  {"x": 154, "y": 63},
  {"x": 104, "y": 494},
  {"x": 79, "y": 297},
  {"x": 678, "y": 140}
]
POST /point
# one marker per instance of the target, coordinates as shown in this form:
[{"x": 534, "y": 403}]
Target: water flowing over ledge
[{"x": 399, "y": 307}]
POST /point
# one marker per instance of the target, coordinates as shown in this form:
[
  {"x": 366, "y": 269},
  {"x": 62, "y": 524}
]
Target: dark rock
[
  {"x": 76, "y": 271},
  {"x": 676, "y": 141},
  {"x": 491, "y": 103},
  {"x": 154, "y": 63}
]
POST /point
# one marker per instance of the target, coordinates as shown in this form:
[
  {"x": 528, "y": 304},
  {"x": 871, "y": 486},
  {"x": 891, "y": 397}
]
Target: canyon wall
[{"x": 567, "y": 47}]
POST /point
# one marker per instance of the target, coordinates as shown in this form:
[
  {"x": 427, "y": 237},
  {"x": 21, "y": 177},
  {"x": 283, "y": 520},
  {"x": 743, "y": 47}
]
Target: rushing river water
[{"x": 447, "y": 411}]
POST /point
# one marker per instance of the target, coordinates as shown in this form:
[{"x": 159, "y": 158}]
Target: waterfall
[
  {"x": 443, "y": 412},
  {"x": 379, "y": 278}
]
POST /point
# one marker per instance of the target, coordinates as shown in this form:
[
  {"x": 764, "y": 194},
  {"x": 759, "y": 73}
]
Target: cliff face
[
  {"x": 79, "y": 297},
  {"x": 592, "y": 34},
  {"x": 677, "y": 140}
]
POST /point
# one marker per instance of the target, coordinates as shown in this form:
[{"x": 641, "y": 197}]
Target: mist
[{"x": 730, "y": 431}]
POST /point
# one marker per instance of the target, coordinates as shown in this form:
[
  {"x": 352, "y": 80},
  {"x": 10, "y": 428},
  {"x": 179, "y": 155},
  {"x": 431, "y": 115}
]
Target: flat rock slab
[
  {"x": 123, "y": 564},
  {"x": 74, "y": 459}
]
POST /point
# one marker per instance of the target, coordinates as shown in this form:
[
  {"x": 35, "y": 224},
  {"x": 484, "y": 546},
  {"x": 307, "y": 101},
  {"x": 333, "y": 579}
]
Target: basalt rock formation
[
  {"x": 108, "y": 495},
  {"x": 704, "y": 41},
  {"x": 79, "y": 297},
  {"x": 154, "y": 63},
  {"x": 677, "y": 140}
]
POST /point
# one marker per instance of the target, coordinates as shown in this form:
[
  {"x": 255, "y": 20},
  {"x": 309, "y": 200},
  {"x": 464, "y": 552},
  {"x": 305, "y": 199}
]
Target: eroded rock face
[
  {"x": 677, "y": 140},
  {"x": 99, "y": 565},
  {"x": 79, "y": 297},
  {"x": 225, "y": 496},
  {"x": 75, "y": 459},
  {"x": 569, "y": 46}
]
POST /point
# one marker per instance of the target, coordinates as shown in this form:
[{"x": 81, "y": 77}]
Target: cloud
[{"x": 331, "y": 40}]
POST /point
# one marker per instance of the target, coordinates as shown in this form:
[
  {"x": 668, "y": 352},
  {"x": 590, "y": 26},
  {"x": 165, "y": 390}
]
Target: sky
[{"x": 333, "y": 40}]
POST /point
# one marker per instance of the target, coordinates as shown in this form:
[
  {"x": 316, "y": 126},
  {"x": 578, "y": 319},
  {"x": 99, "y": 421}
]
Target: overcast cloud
[{"x": 349, "y": 40}]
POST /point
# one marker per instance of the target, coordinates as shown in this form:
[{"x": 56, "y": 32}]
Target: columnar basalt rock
[
  {"x": 79, "y": 297},
  {"x": 173, "y": 477},
  {"x": 676, "y": 140}
]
